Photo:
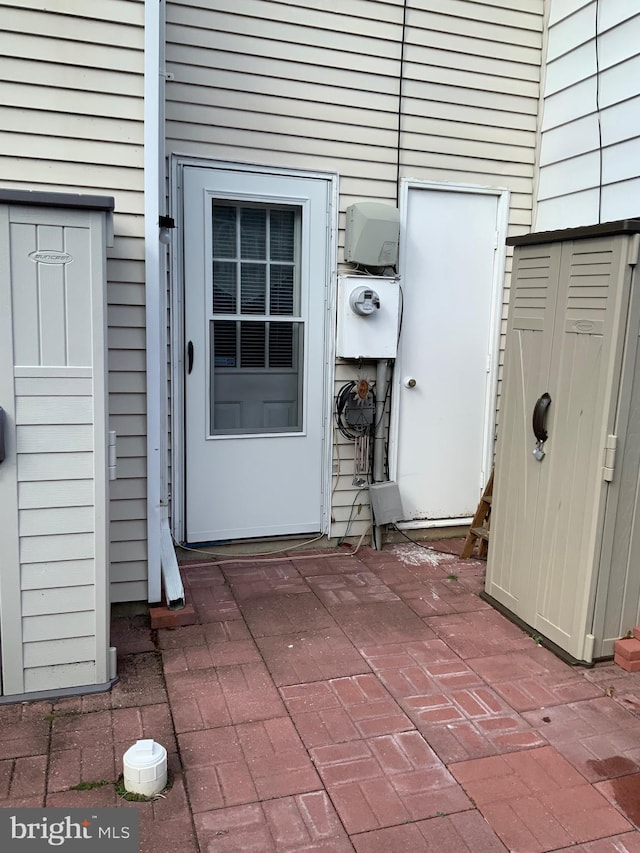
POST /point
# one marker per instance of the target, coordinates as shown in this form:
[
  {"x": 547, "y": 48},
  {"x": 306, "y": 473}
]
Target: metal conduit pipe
[{"x": 379, "y": 437}]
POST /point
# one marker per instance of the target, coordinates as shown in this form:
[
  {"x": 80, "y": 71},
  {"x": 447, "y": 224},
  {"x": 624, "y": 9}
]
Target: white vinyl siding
[
  {"x": 590, "y": 131},
  {"x": 311, "y": 85},
  {"x": 71, "y": 120}
]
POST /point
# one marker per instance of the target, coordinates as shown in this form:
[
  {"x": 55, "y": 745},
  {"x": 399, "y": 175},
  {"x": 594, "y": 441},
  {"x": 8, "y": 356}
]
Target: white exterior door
[
  {"x": 451, "y": 280},
  {"x": 256, "y": 271}
]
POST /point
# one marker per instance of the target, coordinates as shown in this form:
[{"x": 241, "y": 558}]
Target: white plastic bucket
[{"x": 145, "y": 768}]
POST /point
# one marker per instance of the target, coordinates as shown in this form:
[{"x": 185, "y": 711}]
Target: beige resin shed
[
  {"x": 564, "y": 554},
  {"x": 54, "y": 567}
]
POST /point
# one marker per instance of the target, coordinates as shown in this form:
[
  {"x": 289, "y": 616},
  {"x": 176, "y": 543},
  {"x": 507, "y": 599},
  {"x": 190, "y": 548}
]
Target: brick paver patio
[{"x": 331, "y": 702}]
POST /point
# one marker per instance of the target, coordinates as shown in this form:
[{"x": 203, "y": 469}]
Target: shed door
[
  {"x": 566, "y": 338},
  {"x": 256, "y": 266},
  {"x": 54, "y": 595},
  {"x": 450, "y": 296}
]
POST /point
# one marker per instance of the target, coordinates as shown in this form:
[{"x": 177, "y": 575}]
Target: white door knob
[{"x": 409, "y": 382}]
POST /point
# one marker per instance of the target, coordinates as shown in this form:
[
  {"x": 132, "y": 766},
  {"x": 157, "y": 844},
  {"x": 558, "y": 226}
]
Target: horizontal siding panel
[
  {"x": 51, "y": 677},
  {"x": 131, "y": 468},
  {"x": 125, "y": 293},
  {"x": 24, "y": 74},
  {"x": 127, "y": 510},
  {"x": 525, "y": 30},
  {"x": 106, "y": 10},
  {"x": 567, "y": 211},
  {"x": 52, "y": 652},
  {"x": 281, "y": 126},
  {"x": 568, "y": 140},
  {"x": 472, "y": 47},
  {"x": 125, "y": 271},
  {"x": 572, "y": 32},
  {"x": 620, "y": 43},
  {"x": 38, "y": 386},
  {"x": 124, "y": 531},
  {"x": 55, "y": 494},
  {"x": 126, "y": 360},
  {"x": 105, "y": 179},
  {"x": 382, "y": 60},
  {"x": 129, "y": 591},
  {"x": 621, "y": 122},
  {"x": 472, "y": 74},
  {"x": 569, "y": 69},
  {"x": 619, "y": 83},
  {"x": 127, "y": 382},
  {"x": 464, "y": 115},
  {"x": 52, "y": 627},
  {"x": 230, "y": 85},
  {"x": 277, "y": 69},
  {"x": 53, "y": 28},
  {"x": 54, "y": 118},
  {"x": 70, "y": 546},
  {"x": 569, "y": 104},
  {"x": 58, "y": 601},
  {"x": 128, "y": 425},
  {"x": 279, "y": 104},
  {"x": 284, "y": 22},
  {"x": 50, "y": 575},
  {"x": 55, "y": 466},
  {"x": 79, "y": 151},
  {"x": 559, "y": 11},
  {"x": 612, "y": 14},
  {"x": 621, "y": 163},
  {"x": 421, "y": 86},
  {"x": 69, "y": 52},
  {"x": 127, "y": 315},
  {"x": 571, "y": 176},
  {"x": 129, "y": 339},
  {"x": 56, "y": 520},
  {"x": 123, "y": 573},
  {"x": 62, "y": 438},
  {"x": 54, "y": 410},
  {"x": 620, "y": 201},
  {"x": 493, "y": 135},
  {"x": 122, "y": 552},
  {"x": 470, "y": 148},
  {"x": 131, "y": 446},
  {"x": 127, "y": 404}
]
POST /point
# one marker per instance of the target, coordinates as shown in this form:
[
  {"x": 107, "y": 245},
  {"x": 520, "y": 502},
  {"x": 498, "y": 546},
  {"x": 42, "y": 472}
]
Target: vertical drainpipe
[{"x": 153, "y": 300}]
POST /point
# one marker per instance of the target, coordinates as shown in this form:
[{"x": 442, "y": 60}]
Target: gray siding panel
[{"x": 590, "y": 130}]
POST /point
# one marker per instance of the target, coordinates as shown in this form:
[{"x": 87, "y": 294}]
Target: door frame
[
  {"x": 177, "y": 407},
  {"x": 495, "y": 332}
]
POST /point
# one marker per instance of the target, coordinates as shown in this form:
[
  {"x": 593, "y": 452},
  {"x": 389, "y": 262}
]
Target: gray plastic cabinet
[
  {"x": 54, "y": 567},
  {"x": 565, "y": 541}
]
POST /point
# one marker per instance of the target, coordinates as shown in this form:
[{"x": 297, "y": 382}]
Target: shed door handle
[
  {"x": 2, "y": 428},
  {"x": 189, "y": 356},
  {"x": 540, "y": 417}
]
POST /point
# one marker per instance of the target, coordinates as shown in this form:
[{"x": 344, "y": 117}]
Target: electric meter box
[
  {"x": 368, "y": 317},
  {"x": 372, "y": 234}
]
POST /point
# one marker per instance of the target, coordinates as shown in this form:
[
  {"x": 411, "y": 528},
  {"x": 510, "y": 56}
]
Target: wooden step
[{"x": 479, "y": 531}]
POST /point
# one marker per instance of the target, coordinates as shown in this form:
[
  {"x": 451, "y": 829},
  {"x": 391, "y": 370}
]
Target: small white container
[{"x": 145, "y": 768}]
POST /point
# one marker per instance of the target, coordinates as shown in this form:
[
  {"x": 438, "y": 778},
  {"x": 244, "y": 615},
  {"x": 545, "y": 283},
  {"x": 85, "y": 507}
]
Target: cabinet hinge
[{"x": 609, "y": 458}]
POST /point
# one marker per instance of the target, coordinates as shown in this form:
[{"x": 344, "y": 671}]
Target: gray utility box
[
  {"x": 564, "y": 556},
  {"x": 54, "y": 582}
]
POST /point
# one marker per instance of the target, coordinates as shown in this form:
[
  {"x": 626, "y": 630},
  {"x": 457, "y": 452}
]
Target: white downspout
[{"x": 153, "y": 300}]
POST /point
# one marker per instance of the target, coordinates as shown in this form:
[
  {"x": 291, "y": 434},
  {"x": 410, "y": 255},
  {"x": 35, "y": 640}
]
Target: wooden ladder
[{"x": 479, "y": 530}]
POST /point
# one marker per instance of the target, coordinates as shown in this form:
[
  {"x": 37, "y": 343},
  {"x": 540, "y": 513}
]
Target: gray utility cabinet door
[
  {"x": 566, "y": 336},
  {"x": 54, "y": 594}
]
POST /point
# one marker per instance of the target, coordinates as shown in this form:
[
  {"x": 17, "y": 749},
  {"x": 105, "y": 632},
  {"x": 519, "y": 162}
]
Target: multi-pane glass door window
[{"x": 256, "y": 331}]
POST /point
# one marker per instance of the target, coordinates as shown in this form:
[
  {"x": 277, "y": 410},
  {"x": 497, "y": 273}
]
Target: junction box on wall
[{"x": 368, "y": 317}]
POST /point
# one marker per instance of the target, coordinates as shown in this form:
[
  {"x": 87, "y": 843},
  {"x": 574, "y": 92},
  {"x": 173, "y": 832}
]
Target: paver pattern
[{"x": 328, "y": 702}]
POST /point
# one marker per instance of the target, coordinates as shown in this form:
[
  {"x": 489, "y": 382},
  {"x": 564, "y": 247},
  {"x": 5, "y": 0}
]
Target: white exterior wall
[
  {"x": 72, "y": 121},
  {"x": 310, "y": 85},
  {"x": 590, "y": 132}
]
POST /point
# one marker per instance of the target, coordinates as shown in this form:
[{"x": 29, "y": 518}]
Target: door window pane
[
  {"x": 224, "y": 287},
  {"x": 224, "y": 231},
  {"x": 253, "y": 233},
  {"x": 256, "y": 364},
  {"x": 253, "y": 289}
]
